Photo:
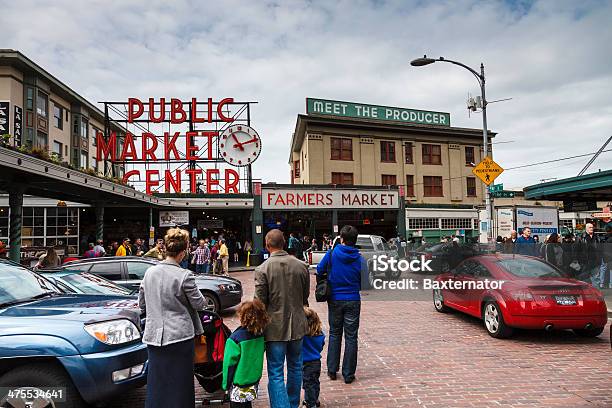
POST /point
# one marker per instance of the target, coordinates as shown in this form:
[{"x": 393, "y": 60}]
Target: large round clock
[{"x": 239, "y": 145}]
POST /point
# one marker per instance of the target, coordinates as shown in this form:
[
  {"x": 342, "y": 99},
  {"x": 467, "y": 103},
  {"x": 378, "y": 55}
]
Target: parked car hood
[
  {"x": 79, "y": 308},
  {"x": 216, "y": 279}
]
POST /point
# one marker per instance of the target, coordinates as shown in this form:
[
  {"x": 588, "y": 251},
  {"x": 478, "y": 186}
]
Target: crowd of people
[
  {"x": 277, "y": 325},
  {"x": 209, "y": 255},
  {"x": 587, "y": 256}
]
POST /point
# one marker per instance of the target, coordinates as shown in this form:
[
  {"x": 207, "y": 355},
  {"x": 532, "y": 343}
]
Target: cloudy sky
[{"x": 553, "y": 58}]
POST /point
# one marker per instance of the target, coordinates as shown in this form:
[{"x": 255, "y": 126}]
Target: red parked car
[{"x": 532, "y": 295}]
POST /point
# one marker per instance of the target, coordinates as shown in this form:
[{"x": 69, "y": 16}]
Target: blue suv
[{"x": 88, "y": 346}]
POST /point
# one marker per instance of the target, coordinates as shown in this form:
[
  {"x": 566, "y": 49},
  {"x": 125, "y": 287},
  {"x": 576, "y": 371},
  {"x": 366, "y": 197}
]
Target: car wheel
[
  {"x": 494, "y": 321},
  {"x": 438, "y": 300},
  {"x": 211, "y": 302},
  {"x": 589, "y": 332},
  {"x": 41, "y": 377}
]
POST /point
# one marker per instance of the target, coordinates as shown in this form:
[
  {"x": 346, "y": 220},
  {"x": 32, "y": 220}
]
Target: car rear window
[{"x": 528, "y": 268}]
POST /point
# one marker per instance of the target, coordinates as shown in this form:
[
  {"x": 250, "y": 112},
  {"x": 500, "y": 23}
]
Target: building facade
[
  {"x": 40, "y": 112},
  {"x": 344, "y": 143}
]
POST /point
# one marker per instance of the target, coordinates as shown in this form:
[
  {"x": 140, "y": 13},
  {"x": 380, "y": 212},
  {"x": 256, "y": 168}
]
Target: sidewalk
[{"x": 608, "y": 298}]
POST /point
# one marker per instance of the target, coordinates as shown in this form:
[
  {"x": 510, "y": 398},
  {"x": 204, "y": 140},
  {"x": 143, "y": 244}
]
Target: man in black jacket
[{"x": 590, "y": 255}]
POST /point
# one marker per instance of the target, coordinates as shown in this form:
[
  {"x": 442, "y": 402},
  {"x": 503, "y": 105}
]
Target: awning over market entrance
[{"x": 577, "y": 193}]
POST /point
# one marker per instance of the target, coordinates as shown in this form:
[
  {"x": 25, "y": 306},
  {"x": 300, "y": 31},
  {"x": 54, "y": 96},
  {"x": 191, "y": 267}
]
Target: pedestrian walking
[
  {"x": 99, "y": 248},
  {"x": 312, "y": 346},
  {"x": 607, "y": 258},
  {"x": 525, "y": 244},
  {"x": 214, "y": 258},
  {"x": 282, "y": 283},
  {"x": 345, "y": 268},
  {"x": 170, "y": 298},
  {"x": 91, "y": 252},
  {"x": 510, "y": 243},
  {"x": 224, "y": 257},
  {"x": 49, "y": 259},
  {"x": 590, "y": 256},
  {"x": 552, "y": 252},
  {"x": 139, "y": 247},
  {"x": 125, "y": 249},
  {"x": 202, "y": 257},
  {"x": 157, "y": 252},
  {"x": 244, "y": 354}
]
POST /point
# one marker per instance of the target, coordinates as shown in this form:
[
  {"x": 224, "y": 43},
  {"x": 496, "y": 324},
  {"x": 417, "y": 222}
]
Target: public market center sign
[{"x": 384, "y": 113}]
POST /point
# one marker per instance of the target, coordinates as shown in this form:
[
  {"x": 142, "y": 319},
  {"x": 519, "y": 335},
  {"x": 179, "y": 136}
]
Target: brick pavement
[{"x": 412, "y": 356}]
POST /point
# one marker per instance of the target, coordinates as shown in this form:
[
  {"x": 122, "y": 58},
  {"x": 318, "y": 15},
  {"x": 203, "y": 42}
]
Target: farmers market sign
[{"x": 385, "y": 113}]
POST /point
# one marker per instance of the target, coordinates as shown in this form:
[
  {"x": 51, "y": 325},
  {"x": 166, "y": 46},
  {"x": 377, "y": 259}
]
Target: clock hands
[{"x": 240, "y": 145}]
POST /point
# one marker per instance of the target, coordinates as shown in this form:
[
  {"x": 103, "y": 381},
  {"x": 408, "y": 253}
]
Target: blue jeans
[
  {"x": 343, "y": 316},
  {"x": 202, "y": 268},
  {"x": 281, "y": 395}
]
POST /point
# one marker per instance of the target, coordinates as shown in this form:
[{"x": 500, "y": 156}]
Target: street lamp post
[{"x": 419, "y": 62}]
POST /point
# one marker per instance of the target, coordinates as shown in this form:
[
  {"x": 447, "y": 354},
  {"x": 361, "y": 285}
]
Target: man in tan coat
[{"x": 282, "y": 283}]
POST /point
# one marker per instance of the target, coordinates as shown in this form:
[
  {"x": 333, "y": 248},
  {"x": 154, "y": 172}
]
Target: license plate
[{"x": 565, "y": 300}]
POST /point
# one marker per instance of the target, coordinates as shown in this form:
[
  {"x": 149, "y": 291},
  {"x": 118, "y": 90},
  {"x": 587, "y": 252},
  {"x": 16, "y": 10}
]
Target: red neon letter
[
  {"x": 129, "y": 174},
  {"x": 210, "y": 135},
  {"x": 233, "y": 185},
  {"x": 192, "y": 179},
  {"x": 194, "y": 112},
  {"x": 133, "y": 102},
  {"x": 210, "y": 182},
  {"x": 129, "y": 150},
  {"x": 162, "y": 110},
  {"x": 191, "y": 148},
  {"x": 220, "y": 109},
  {"x": 149, "y": 181},
  {"x": 170, "y": 144},
  {"x": 103, "y": 147},
  {"x": 174, "y": 181},
  {"x": 146, "y": 150},
  {"x": 176, "y": 107}
]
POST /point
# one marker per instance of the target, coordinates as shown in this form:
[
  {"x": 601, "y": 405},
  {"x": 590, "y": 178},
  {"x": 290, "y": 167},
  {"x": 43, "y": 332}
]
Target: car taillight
[
  {"x": 590, "y": 293},
  {"x": 521, "y": 295}
]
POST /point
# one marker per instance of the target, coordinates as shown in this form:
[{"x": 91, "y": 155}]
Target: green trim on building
[{"x": 596, "y": 185}]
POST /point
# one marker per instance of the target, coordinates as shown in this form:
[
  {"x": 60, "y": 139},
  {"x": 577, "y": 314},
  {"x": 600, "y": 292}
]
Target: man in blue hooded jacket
[{"x": 344, "y": 265}]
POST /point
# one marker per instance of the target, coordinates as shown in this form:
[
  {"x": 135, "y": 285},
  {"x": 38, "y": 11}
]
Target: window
[
  {"x": 136, "y": 270},
  {"x": 342, "y": 178},
  {"x": 456, "y": 223},
  {"x": 389, "y": 180},
  {"x": 58, "y": 117},
  {"x": 423, "y": 223},
  {"x": 30, "y": 98},
  {"x": 341, "y": 148},
  {"x": 471, "y": 186},
  {"x": 469, "y": 156},
  {"x": 108, "y": 270},
  {"x": 42, "y": 102},
  {"x": 296, "y": 169},
  {"x": 83, "y": 160},
  {"x": 84, "y": 128},
  {"x": 432, "y": 154},
  {"x": 94, "y": 135},
  {"x": 408, "y": 151},
  {"x": 57, "y": 149},
  {"x": 387, "y": 152},
  {"x": 409, "y": 185},
  {"x": 364, "y": 243},
  {"x": 4, "y": 223},
  {"x": 41, "y": 139},
  {"x": 94, "y": 164},
  {"x": 432, "y": 186}
]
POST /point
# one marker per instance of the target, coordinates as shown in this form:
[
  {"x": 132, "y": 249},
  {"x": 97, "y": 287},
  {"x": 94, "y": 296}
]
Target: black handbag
[{"x": 323, "y": 289}]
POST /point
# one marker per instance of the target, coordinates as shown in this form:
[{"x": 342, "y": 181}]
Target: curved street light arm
[{"x": 478, "y": 76}]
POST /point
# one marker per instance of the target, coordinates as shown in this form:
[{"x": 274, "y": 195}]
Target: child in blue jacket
[{"x": 312, "y": 345}]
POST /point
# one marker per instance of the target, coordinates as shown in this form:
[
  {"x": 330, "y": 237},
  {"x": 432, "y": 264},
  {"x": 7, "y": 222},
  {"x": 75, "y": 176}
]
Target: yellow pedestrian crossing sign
[{"x": 487, "y": 170}]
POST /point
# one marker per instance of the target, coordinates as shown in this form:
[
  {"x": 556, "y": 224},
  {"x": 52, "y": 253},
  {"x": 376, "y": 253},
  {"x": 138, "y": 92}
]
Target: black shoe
[
  {"x": 349, "y": 380},
  {"x": 332, "y": 376}
]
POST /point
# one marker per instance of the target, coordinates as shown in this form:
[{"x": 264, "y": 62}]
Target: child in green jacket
[{"x": 244, "y": 353}]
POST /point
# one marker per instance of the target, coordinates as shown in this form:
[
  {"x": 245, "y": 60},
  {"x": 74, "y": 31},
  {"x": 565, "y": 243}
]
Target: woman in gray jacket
[{"x": 170, "y": 298}]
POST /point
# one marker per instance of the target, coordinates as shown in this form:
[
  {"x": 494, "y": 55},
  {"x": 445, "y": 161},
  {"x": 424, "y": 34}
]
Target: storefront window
[
  {"x": 423, "y": 223},
  {"x": 52, "y": 226},
  {"x": 456, "y": 223},
  {"x": 4, "y": 224}
]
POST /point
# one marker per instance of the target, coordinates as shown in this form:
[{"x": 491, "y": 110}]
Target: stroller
[{"x": 210, "y": 373}]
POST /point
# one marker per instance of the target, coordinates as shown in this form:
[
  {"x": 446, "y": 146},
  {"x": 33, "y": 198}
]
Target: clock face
[{"x": 239, "y": 145}]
